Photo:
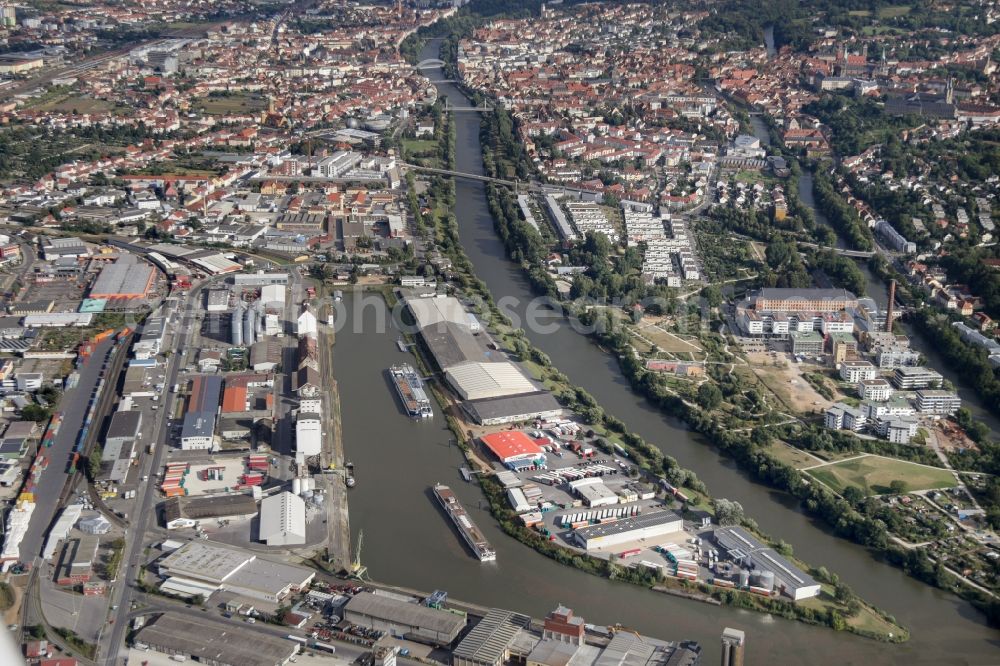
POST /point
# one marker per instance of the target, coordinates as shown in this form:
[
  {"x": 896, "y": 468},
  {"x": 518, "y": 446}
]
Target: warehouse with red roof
[{"x": 512, "y": 446}]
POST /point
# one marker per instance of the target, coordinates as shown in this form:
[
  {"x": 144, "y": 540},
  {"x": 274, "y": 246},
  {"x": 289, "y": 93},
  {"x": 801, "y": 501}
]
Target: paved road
[
  {"x": 122, "y": 592},
  {"x": 48, "y": 489}
]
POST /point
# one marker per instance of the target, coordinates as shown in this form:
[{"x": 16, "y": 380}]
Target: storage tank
[
  {"x": 237, "y": 325},
  {"x": 296, "y": 486},
  {"x": 250, "y": 327},
  {"x": 744, "y": 579},
  {"x": 764, "y": 579},
  {"x": 307, "y": 495},
  {"x": 317, "y": 499}
]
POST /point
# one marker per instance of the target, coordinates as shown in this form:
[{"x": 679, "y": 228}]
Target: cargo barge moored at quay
[
  {"x": 473, "y": 537},
  {"x": 411, "y": 391}
]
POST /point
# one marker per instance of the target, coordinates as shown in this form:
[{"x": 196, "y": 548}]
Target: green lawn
[
  {"x": 419, "y": 145},
  {"x": 873, "y": 474}
]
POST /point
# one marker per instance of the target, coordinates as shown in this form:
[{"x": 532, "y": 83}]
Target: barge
[
  {"x": 473, "y": 537},
  {"x": 411, "y": 391}
]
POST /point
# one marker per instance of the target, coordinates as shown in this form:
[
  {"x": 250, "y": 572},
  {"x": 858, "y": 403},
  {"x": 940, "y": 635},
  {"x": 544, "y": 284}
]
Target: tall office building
[{"x": 733, "y": 646}]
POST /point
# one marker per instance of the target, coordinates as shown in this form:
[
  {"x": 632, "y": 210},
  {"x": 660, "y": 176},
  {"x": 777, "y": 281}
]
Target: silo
[
  {"x": 296, "y": 486},
  {"x": 237, "y": 325},
  {"x": 249, "y": 326},
  {"x": 764, "y": 579},
  {"x": 259, "y": 308},
  {"x": 744, "y": 579}
]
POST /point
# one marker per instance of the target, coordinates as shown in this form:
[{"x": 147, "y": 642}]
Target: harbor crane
[{"x": 358, "y": 570}]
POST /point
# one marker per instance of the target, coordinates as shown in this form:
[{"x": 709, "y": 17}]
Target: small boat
[{"x": 349, "y": 480}]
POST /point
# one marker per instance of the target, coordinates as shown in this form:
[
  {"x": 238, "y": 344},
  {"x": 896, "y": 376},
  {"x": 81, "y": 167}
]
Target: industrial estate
[{"x": 676, "y": 315}]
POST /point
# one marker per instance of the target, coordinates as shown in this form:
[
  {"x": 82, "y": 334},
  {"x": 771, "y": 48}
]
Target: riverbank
[
  {"x": 828, "y": 609},
  {"x": 748, "y": 446}
]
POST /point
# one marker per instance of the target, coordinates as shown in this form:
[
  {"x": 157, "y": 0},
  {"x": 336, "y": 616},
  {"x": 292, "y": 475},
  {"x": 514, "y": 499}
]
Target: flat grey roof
[
  {"x": 216, "y": 642},
  {"x": 452, "y": 344},
  {"x": 491, "y": 638},
  {"x": 124, "y": 425},
  {"x": 628, "y": 524},
  {"x": 514, "y": 405},
  {"x": 407, "y": 614}
]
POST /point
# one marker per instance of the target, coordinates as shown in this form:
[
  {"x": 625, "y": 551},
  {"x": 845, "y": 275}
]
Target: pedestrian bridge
[{"x": 430, "y": 63}]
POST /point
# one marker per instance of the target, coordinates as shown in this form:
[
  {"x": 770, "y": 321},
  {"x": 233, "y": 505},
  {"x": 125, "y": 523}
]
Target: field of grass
[
  {"x": 232, "y": 104},
  {"x": 790, "y": 455},
  {"x": 76, "y": 104},
  {"x": 667, "y": 341},
  {"x": 419, "y": 145},
  {"x": 873, "y": 474}
]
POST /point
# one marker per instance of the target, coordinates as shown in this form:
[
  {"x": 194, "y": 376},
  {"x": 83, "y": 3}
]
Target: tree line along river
[{"x": 408, "y": 541}]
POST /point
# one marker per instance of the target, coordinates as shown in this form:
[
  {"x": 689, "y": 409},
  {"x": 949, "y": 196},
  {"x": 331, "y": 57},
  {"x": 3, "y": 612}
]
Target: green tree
[
  {"x": 709, "y": 396},
  {"x": 897, "y": 487}
]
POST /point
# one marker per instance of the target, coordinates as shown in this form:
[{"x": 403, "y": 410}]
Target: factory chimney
[{"x": 892, "y": 306}]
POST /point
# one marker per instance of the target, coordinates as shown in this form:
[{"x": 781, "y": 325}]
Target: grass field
[
  {"x": 790, "y": 455},
  {"x": 419, "y": 145},
  {"x": 873, "y": 474},
  {"x": 232, "y": 104},
  {"x": 666, "y": 341},
  {"x": 77, "y": 103}
]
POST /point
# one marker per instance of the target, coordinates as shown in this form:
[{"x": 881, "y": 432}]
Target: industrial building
[
  {"x": 489, "y": 642},
  {"x": 273, "y": 295},
  {"x": 283, "y": 520},
  {"x": 215, "y": 644},
  {"x": 745, "y": 549},
  {"x": 204, "y": 568},
  {"x": 217, "y": 300},
  {"x": 401, "y": 618},
  {"x": 127, "y": 277},
  {"x": 777, "y": 299},
  {"x": 123, "y": 429},
  {"x": 179, "y": 512},
  {"x": 150, "y": 342},
  {"x": 198, "y": 430},
  {"x": 259, "y": 279},
  {"x": 308, "y": 433},
  {"x": 513, "y": 408},
  {"x": 593, "y": 492},
  {"x": 119, "y": 444},
  {"x": 475, "y": 381},
  {"x": 493, "y": 389},
  {"x": 634, "y": 528},
  {"x": 440, "y": 310},
  {"x": 513, "y": 446}
]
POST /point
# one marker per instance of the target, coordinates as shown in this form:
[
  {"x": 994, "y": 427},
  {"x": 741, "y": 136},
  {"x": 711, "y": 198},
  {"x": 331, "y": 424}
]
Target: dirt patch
[{"x": 787, "y": 383}]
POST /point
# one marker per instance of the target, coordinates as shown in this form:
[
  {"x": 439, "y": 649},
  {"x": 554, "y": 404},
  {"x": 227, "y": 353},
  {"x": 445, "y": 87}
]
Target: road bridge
[
  {"x": 857, "y": 254},
  {"x": 430, "y": 63}
]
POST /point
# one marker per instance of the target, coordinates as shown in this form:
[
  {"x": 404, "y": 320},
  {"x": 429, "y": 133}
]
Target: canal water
[{"x": 408, "y": 541}]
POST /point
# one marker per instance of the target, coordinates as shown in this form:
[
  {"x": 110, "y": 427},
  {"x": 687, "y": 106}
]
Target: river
[{"x": 409, "y": 542}]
